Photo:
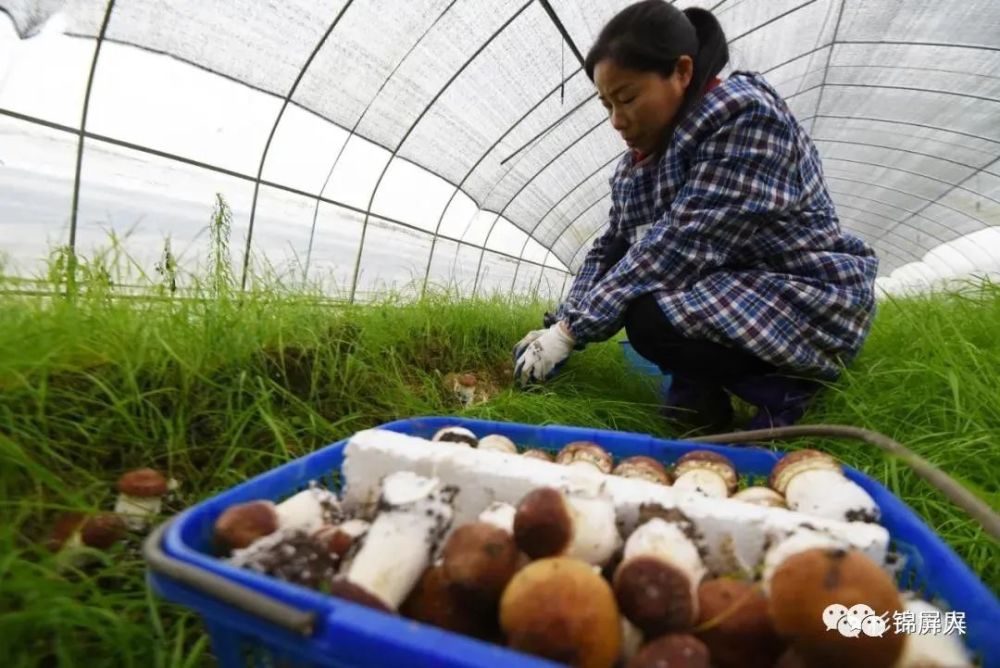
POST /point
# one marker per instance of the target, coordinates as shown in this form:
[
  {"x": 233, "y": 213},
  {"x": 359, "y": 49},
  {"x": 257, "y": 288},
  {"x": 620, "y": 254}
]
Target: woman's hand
[{"x": 538, "y": 353}]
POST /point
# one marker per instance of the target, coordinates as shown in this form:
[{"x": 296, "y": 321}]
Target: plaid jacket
[{"x": 733, "y": 230}]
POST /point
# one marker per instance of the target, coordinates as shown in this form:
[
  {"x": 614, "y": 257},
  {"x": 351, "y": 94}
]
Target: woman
[{"x": 723, "y": 257}]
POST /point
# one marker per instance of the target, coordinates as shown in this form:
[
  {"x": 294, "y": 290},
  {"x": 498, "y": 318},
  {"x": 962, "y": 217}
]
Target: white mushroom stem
[
  {"x": 497, "y": 442},
  {"x": 308, "y": 510},
  {"x": 416, "y": 511},
  {"x": 632, "y": 639},
  {"x": 704, "y": 481},
  {"x": 827, "y": 493},
  {"x": 667, "y": 542},
  {"x": 595, "y": 532},
  {"x": 799, "y": 541},
  {"x": 930, "y": 650},
  {"x": 761, "y": 496},
  {"x": 500, "y": 515},
  {"x": 137, "y": 510}
]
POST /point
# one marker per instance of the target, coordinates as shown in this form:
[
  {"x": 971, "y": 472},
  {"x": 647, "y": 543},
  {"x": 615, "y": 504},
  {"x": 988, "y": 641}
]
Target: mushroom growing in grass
[
  {"x": 550, "y": 522},
  {"x": 414, "y": 514},
  {"x": 497, "y": 442},
  {"x": 734, "y": 623},
  {"x": 813, "y": 482},
  {"x": 464, "y": 387},
  {"x": 760, "y": 496},
  {"x": 675, "y": 650},
  {"x": 561, "y": 609},
  {"x": 707, "y": 473},
  {"x": 140, "y": 497},
  {"x": 76, "y": 530},
  {"x": 585, "y": 453},
  {"x": 454, "y": 434},
  {"x": 535, "y": 453},
  {"x": 656, "y": 583},
  {"x": 809, "y": 587},
  {"x": 642, "y": 468}
]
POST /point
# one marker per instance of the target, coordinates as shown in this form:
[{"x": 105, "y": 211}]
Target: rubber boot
[
  {"x": 781, "y": 401},
  {"x": 698, "y": 404}
]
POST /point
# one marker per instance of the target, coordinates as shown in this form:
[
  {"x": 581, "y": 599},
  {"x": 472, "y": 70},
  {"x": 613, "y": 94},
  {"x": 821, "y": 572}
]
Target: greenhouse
[{"x": 263, "y": 266}]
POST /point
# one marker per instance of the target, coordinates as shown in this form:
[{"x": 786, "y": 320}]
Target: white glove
[
  {"x": 523, "y": 343},
  {"x": 543, "y": 353}
]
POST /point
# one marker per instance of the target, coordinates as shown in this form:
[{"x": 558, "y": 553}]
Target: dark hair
[{"x": 650, "y": 36}]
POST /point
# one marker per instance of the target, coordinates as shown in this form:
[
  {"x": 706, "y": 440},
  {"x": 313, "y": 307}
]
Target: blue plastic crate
[{"x": 333, "y": 632}]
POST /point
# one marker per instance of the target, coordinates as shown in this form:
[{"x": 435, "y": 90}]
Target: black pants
[{"x": 653, "y": 337}]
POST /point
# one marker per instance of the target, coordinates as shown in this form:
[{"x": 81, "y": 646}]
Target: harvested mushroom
[
  {"x": 535, "y": 453},
  {"x": 734, "y": 624},
  {"x": 140, "y": 497},
  {"x": 497, "y": 442},
  {"x": 561, "y": 609},
  {"x": 675, "y": 650},
  {"x": 656, "y": 583},
  {"x": 309, "y": 509},
  {"x": 632, "y": 640},
  {"x": 585, "y": 453},
  {"x": 479, "y": 560},
  {"x": 340, "y": 538},
  {"x": 501, "y": 515},
  {"x": 288, "y": 554},
  {"x": 642, "y": 468},
  {"x": 550, "y": 522},
  {"x": 707, "y": 473},
  {"x": 240, "y": 525},
  {"x": 434, "y": 601},
  {"x": 760, "y": 496},
  {"x": 930, "y": 650},
  {"x": 799, "y": 540},
  {"x": 813, "y": 482},
  {"x": 459, "y": 435},
  {"x": 810, "y": 588},
  {"x": 415, "y": 512}
]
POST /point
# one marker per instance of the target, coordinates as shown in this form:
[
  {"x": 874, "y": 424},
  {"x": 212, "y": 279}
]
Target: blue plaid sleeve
[{"x": 741, "y": 173}]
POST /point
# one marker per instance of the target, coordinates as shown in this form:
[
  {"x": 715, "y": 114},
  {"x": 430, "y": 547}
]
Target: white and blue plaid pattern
[{"x": 734, "y": 231}]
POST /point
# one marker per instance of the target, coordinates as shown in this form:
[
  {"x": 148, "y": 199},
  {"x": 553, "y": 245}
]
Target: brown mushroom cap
[
  {"x": 734, "y": 623},
  {"x": 585, "y": 451},
  {"x": 542, "y": 525},
  {"x": 654, "y": 595},
  {"x": 802, "y": 587},
  {"x": 561, "y": 609},
  {"x": 644, "y": 468},
  {"x": 467, "y": 379},
  {"x": 334, "y": 540},
  {"x": 455, "y": 434},
  {"x": 240, "y": 525},
  {"x": 676, "y": 650},
  {"x": 712, "y": 461},
  {"x": 143, "y": 483},
  {"x": 796, "y": 462},
  {"x": 760, "y": 496},
  {"x": 103, "y": 530},
  {"x": 343, "y": 588},
  {"x": 64, "y": 527},
  {"x": 433, "y": 601},
  {"x": 535, "y": 453},
  {"x": 497, "y": 443},
  {"x": 479, "y": 560}
]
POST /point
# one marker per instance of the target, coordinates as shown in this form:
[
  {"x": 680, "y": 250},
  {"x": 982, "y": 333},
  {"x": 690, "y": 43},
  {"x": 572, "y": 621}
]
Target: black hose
[{"x": 959, "y": 495}]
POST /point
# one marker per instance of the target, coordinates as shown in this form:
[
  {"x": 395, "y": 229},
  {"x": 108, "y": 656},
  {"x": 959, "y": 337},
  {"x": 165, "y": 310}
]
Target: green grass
[{"x": 217, "y": 390}]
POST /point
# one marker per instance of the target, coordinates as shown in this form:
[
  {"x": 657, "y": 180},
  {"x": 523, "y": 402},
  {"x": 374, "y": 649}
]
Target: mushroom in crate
[
  {"x": 457, "y": 435},
  {"x": 309, "y": 510},
  {"x": 760, "y": 496},
  {"x": 641, "y": 467},
  {"x": 561, "y": 609},
  {"x": 707, "y": 473},
  {"x": 498, "y": 443},
  {"x": 734, "y": 624},
  {"x": 537, "y": 453},
  {"x": 414, "y": 513},
  {"x": 550, "y": 522},
  {"x": 813, "y": 482},
  {"x": 675, "y": 650},
  {"x": 940, "y": 648},
  {"x": 140, "y": 497},
  {"x": 657, "y": 581},
  {"x": 815, "y": 585},
  {"x": 585, "y": 453}
]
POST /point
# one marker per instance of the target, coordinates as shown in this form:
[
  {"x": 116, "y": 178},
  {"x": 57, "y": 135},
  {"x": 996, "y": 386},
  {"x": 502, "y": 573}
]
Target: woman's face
[{"x": 642, "y": 105}]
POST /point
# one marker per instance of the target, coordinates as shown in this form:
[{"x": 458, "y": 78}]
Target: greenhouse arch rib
[
  {"x": 458, "y": 187},
  {"x": 270, "y": 137},
  {"x": 371, "y": 200},
  {"x": 79, "y": 147}
]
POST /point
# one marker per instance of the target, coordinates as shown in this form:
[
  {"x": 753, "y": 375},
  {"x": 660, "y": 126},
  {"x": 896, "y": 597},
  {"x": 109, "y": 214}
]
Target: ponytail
[{"x": 712, "y": 55}]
